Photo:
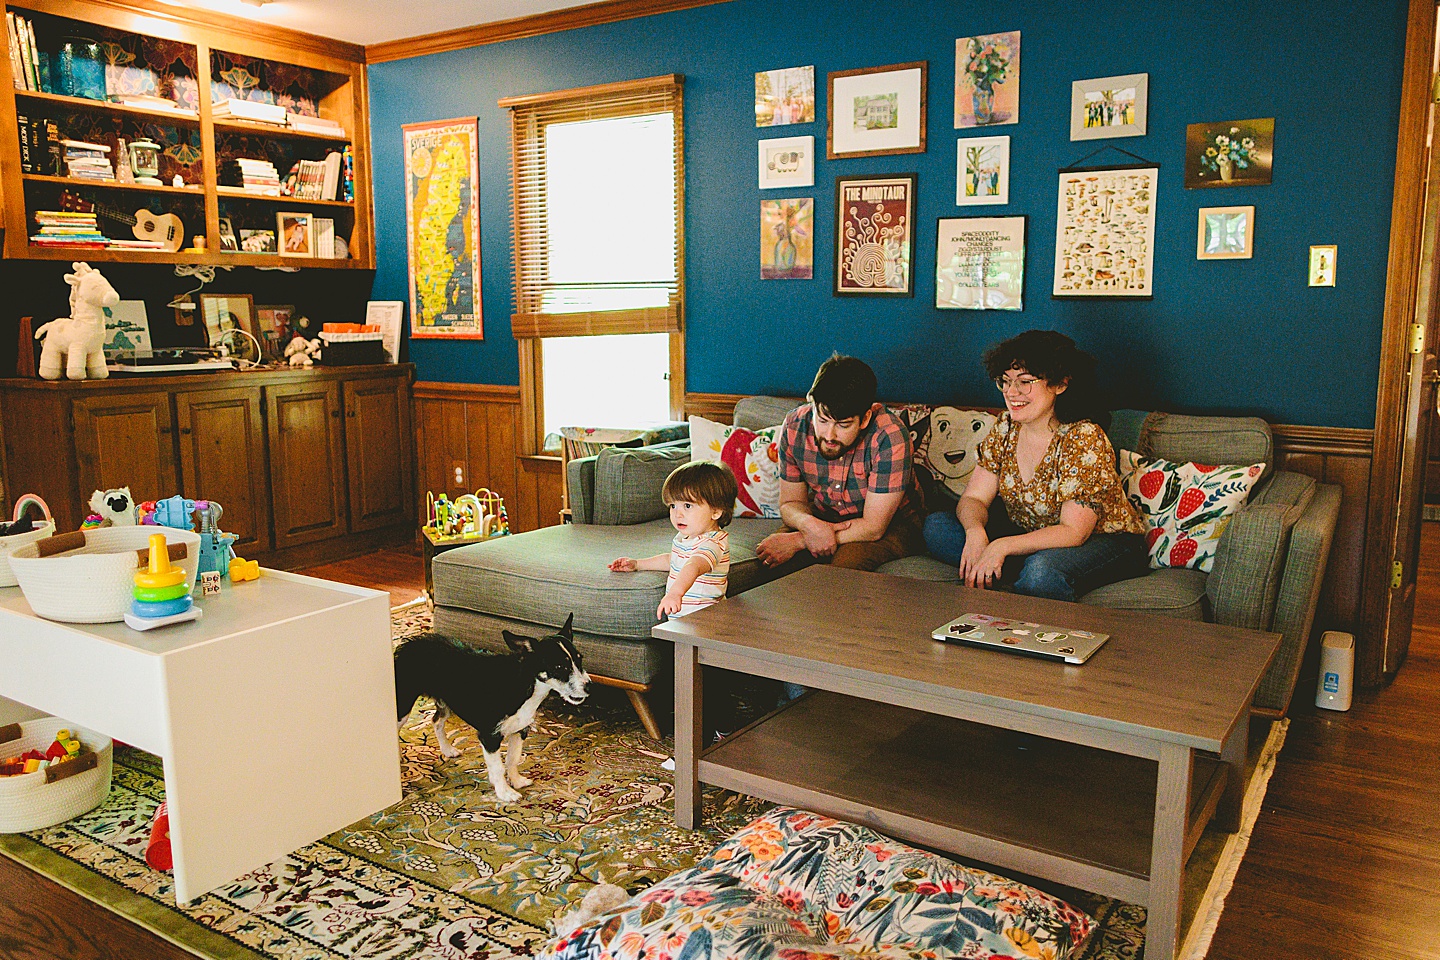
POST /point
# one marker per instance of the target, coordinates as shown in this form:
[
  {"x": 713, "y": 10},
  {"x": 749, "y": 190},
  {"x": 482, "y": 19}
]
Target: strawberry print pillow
[
  {"x": 1185, "y": 505},
  {"x": 753, "y": 456}
]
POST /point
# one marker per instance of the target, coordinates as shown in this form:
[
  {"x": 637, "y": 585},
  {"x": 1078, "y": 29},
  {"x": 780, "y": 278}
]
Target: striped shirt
[{"x": 708, "y": 588}]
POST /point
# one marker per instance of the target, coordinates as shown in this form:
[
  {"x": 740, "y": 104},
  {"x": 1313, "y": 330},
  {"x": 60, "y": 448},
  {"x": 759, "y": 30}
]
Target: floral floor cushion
[{"x": 798, "y": 886}]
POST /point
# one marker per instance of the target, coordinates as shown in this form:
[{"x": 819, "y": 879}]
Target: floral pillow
[
  {"x": 1186, "y": 505},
  {"x": 754, "y": 458}
]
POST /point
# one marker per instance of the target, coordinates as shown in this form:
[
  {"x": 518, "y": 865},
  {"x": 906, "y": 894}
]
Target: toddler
[{"x": 701, "y": 497}]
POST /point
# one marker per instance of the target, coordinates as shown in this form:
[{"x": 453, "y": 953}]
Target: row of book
[
  {"x": 24, "y": 54},
  {"x": 41, "y": 149},
  {"x": 256, "y": 111},
  {"x": 253, "y": 176},
  {"x": 61, "y": 229},
  {"x": 315, "y": 179}
]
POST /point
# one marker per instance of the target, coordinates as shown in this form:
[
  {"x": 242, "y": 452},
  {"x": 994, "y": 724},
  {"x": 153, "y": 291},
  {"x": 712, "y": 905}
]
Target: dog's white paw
[
  {"x": 449, "y": 751},
  {"x": 505, "y": 794},
  {"x": 517, "y": 781}
]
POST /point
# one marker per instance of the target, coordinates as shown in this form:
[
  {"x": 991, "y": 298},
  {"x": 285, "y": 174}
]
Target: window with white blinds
[{"x": 598, "y": 188}]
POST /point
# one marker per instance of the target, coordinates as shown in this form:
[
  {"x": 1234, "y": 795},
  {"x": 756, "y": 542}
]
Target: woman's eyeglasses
[{"x": 1019, "y": 384}]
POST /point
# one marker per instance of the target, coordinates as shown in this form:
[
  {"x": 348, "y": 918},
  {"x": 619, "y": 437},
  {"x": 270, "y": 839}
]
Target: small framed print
[
  {"x": 224, "y": 312},
  {"x": 1226, "y": 233},
  {"x": 874, "y": 236},
  {"x": 876, "y": 111},
  {"x": 228, "y": 242},
  {"x": 297, "y": 234},
  {"x": 785, "y": 96},
  {"x": 980, "y": 263},
  {"x": 982, "y": 171},
  {"x": 1109, "y": 107},
  {"x": 787, "y": 162},
  {"x": 274, "y": 323},
  {"x": 787, "y": 239},
  {"x": 1322, "y": 266}
]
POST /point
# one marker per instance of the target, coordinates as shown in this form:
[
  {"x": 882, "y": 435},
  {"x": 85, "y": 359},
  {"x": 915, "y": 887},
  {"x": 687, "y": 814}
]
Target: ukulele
[{"x": 165, "y": 227}]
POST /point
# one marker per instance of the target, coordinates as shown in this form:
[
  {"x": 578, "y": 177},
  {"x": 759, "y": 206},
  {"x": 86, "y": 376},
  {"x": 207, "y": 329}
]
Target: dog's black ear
[
  {"x": 565, "y": 631},
  {"x": 518, "y": 643}
]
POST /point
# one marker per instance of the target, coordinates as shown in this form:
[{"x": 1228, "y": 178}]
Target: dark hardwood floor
[{"x": 1344, "y": 862}]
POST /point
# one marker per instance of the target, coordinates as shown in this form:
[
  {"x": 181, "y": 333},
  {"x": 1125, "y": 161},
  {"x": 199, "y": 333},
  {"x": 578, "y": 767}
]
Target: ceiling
[{"x": 374, "y": 21}]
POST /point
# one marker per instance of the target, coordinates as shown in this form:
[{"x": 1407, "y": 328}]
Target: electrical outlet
[{"x": 459, "y": 474}]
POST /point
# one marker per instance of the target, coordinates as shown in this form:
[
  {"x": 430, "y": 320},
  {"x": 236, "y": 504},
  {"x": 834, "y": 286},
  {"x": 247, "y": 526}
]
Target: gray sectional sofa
[{"x": 1268, "y": 569}]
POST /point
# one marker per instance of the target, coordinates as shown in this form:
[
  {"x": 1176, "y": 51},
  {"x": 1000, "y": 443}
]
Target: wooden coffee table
[{"x": 1100, "y": 776}]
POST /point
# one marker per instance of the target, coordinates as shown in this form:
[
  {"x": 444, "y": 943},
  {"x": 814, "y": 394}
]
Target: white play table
[{"x": 275, "y": 714}]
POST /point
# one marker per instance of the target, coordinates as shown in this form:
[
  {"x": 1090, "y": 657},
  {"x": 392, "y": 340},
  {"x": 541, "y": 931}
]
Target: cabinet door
[
  {"x": 125, "y": 440},
  {"x": 378, "y": 452},
  {"x": 222, "y": 458},
  {"x": 307, "y": 467}
]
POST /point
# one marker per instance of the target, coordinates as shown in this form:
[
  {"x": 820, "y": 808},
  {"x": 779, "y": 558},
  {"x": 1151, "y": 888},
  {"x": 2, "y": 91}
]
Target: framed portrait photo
[
  {"x": 980, "y": 263},
  {"x": 785, "y": 96},
  {"x": 296, "y": 232},
  {"x": 874, "y": 236},
  {"x": 274, "y": 324},
  {"x": 787, "y": 162},
  {"x": 982, "y": 171},
  {"x": 1109, "y": 107},
  {"x": 228, "y": 243},
  {"x": 1226, "y": 233},
  {"x": 876, "y": 111}
]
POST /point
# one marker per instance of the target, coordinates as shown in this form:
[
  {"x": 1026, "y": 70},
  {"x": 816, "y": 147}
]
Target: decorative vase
[
  {"x": 785, "y": 253},
  {"x": 982, "y": 101},
  {"x": 1227, "y": 168}
]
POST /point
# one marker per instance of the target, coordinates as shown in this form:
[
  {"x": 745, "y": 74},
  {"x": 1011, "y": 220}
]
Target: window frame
[{"x": 529, "y": 115}]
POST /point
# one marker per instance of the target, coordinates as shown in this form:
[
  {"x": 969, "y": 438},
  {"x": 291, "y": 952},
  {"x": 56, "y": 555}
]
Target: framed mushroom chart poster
[{"x": 1105, "y": 232}]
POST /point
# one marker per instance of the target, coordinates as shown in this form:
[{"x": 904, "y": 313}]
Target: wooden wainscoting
[{"x": 473, "y": 429}]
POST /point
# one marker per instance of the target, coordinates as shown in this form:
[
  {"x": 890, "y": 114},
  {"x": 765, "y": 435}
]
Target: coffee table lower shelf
[{"x": 1073, "y": 814}]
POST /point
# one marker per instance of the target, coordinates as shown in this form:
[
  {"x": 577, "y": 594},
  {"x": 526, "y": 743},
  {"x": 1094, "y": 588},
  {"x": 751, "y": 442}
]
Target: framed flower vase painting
[
  {"x": 876, "y": 111},
  {"x": 982, "y": 171},
  {"x": 987, "y": 80},
  {"x": 1230, "y": 153},
  {"x": 874, "y": 236},
  {"x": 787, "y": 162},
  {"x": 1109, "y": 107},
  {"x": 1226, "y": 233},
  {"x": 787, "y": 239},
  {"x": 980, "y": 263},
  {"x": 1105, "y": 233}
]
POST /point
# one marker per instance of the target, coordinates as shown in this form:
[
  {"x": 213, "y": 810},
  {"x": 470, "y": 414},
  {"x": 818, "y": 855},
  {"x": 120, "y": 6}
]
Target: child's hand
[
  {"x": 669, "y": 604},
  {"x": 624, "y": 565}
]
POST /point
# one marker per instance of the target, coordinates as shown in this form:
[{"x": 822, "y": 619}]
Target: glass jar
[{"x": 81, "y": 69}]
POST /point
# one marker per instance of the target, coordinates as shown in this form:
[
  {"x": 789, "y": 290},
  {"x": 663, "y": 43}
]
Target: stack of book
[
  {"x": 304, "y": 124},
  {"x": 150, "y": 102},
  {"x": 62, "y": 229},
  {"x": 314, "y": 179},
  {"x": 25, "y": 63},
  {"x": 253, "y": 176},
  {"x": 252, "y": 110},
  {"x": 88, "y": 161}
]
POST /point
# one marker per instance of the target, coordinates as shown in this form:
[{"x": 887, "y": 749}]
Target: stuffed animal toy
[
  {"x": 302, "y": 352},
  {"x": 115, "y": 508},
  {"x": 76, "y": 344}
]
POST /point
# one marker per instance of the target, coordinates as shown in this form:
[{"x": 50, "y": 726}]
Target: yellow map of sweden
[{"x": 434, "y": 260}]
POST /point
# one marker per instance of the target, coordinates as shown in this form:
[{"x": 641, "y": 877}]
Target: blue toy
[
  {"x": 177, "y": 512},
  {"x": 216, "y": 548}
]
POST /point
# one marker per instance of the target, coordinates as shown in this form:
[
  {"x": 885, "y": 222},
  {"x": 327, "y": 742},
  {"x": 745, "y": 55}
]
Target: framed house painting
[
  {"x": 1226, "y": 233},
  {"x": 980, "y": 263},
  {"x": 787, "y": 162},
  {"x": 1105, "y": 232},
  {"x": 987, "y": 80},
  {"x": 1109, "y": 107},
  {"x": 442, "y": 228},
  {"x": 982, "y": 171},
  {"x": 876, "y": 111},
  {"x": 874, "y": 236}
]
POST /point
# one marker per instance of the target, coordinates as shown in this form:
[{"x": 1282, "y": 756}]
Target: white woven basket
[
  {"x": 27, "y": 802},
  {"x": 8, "y": 544},
  {"x": 94, "y": 583}
]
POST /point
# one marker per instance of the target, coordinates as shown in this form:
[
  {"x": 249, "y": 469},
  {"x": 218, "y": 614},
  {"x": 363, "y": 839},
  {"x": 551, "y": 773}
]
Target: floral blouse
[{"x": 1078, "y": 466}]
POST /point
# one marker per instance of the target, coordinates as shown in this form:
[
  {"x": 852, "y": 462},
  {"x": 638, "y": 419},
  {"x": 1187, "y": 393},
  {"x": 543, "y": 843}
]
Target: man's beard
[{"x": 833, "y": 456}]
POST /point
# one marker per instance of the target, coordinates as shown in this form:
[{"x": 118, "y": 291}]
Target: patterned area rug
[{"x": 448, "y": 873}]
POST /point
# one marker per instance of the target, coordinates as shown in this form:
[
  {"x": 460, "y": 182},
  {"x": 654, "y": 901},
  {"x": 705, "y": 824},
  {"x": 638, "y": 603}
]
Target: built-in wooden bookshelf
[{"x": 209, "y": 57}]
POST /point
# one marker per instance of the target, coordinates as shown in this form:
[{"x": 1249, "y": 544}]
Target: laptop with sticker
[{"x": 1022, "y": 636}]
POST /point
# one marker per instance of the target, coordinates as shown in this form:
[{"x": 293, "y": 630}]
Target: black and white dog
[{"x": 497, "y": 694}]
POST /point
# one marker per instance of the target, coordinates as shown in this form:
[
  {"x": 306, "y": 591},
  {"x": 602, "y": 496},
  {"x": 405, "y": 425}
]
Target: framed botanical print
[
  {"x": 980, "y": 263},
  {"x": 1105, "y": 232},
  {"x": 1322, "y": 265},
  {"x": 874, "y": 236},
  {"x": 876, "y": 111}
]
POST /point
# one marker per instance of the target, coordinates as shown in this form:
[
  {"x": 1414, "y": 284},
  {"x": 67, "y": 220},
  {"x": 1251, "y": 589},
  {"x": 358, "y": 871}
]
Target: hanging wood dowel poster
[{"x": 1105, "y": 232}]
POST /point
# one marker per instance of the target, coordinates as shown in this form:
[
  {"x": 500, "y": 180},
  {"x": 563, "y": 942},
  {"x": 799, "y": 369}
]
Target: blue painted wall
[{"x": 1219, "y": 336}]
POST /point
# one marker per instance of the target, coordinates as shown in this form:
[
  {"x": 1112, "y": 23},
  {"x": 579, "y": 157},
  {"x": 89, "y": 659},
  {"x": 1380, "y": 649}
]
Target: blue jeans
[{"x": 1059, "y": 573}]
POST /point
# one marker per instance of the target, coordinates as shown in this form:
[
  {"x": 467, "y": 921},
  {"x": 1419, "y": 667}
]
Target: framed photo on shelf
[
  {"x": 228, "y": 243},
  {"x": 443, "y": 264},
  {"x": 273, "y": 323},
  {"x": 874, "y": 236},
  {"x": 982, "y": 174},
  {"x": 787, "y": 162},
  {"x": 1226, "y": 233},
  {"x": 980, "y": 263},
  {"x": 1322, "y": 265},
  {"x": 297, "y": 234},
  {"x": 258, "y": 241},
  {"x": 1105, "y": 232},
  {"x": 876, "y": 111},
  {"x": 223, "y": 312},
  {"x": 1109, "y": 107}
]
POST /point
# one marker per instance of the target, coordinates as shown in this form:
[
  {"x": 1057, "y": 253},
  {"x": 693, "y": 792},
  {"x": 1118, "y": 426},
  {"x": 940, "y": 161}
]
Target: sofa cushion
[
  {"x": 1168, "y": 592},
  {"x": 757, "y": 413},
  {"x": 922, "y": 567},
  {"x": 795, "y": 885},
  {"x": 619, "y": 658},
  {"x": 628, "y": 482},
  {"x": 1173, "y": 436}
]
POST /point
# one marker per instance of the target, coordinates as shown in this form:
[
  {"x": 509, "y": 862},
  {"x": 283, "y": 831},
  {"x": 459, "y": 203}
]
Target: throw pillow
[
  {"x": 944, "y": 441},
  {"x": 1186, "y": 505},
  {"x": 754, "y": 458}
]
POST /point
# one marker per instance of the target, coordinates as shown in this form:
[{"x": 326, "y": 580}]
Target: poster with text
[
  {"x": 980, "y": 263},
  {"x": 875, "y": 235},
  {"x": 442, "y": 228},
  {"x": 1105, "y": 233}
]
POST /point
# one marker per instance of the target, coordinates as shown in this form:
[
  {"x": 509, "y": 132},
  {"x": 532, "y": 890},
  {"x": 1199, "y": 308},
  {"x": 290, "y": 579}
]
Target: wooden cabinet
[
  {"x": 306, "y": 463},
  {"x": 222, "y": 458},
  {"x": 309, "y": 465},
  {"x": 377, "y": 448}
]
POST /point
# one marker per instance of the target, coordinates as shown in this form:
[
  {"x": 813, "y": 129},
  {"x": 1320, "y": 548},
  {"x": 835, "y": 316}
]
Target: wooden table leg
[
  {"x": 1228, "y": 811},
  {"x": 688, "y": 735},
  {"x": 1167, "y": 852}
]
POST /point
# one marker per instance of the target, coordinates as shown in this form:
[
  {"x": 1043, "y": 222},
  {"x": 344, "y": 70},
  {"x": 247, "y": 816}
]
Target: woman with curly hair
[{"x": 1067, "y": 527}]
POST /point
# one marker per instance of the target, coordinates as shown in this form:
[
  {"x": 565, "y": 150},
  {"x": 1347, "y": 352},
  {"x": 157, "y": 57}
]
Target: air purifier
[{"x": 1337, "y": 671}]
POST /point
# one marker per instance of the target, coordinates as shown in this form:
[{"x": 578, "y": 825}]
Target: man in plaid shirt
[{"x": 848, "y": 491}]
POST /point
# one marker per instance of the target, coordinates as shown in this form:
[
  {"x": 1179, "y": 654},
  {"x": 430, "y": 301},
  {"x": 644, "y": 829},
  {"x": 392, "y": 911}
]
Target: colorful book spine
[
  {"x": 34, "y": 56},
  {"x": 27, "y": 160},
  {"x": 23, "y": 41},
  {"x": 17, "y": 69},
  {"x": 348, "y": 187}
]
